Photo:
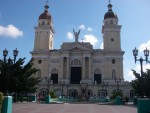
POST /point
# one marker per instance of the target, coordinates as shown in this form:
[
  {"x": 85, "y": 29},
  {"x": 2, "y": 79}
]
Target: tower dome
[
  {"x": 45, "y": 14},
  {"x": 110, "y": 13}
]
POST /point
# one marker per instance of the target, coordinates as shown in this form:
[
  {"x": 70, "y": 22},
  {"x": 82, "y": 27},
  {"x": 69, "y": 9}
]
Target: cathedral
[{"x": 76, "y": 68}]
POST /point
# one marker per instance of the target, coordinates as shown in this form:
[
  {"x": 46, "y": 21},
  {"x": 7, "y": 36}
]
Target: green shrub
[
  {"x": 25, "y": 98},
  {"x": 115, "y": 94},
  {"x": 20, "y": 99},
  {"x": 52, "y": 94},
  {"x": 1, "y": 100}
]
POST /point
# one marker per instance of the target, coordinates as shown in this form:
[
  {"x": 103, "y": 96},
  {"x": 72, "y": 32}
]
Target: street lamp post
[
  {"x": 146, "y": 53},
  {"x": 9, "y": 61},
  {"x": 48, "y": 79},
  {"x": 62, "y": 83},
  {"x": 15, "y": 53},
  {"x": 64, "y": 86},
  {"x": 84, "y": 88},
  {"x": 104, "y": 85},
  {"x": 141, "y": 60},
  {"x": 104, "y": 88},
  {"x": 117, "y": 80},
  {"x": 62, "y": 93},
  {"x": 67, "y": 88}
]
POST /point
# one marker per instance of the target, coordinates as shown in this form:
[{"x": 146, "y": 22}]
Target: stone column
[
  {"x": 68, "y": 69},
  {"x": 83, "y": 69},
  {"x": 61, "y": 69},
  {"x": 89, "y": 68}
]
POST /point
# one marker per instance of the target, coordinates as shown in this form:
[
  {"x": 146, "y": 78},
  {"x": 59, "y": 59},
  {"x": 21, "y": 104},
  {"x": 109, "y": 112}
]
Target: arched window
[
  {"x": 132, "y": 93},
  {"x": 113, "y": 74},
  {"x": 39, "y": 73},
  {"x": 116, "y": 22},
  {"x": 111, "y": 22},
  {"x": 97, "y": 71},
  {"x": 48, "y": 23},
  {"x": 54, "y": 71},
  {"x": 43, "y": 23},
  {"x": 76, "y": 62},
  {"x": 102, "y": 93},
  {"x": 39, "y": 24}
]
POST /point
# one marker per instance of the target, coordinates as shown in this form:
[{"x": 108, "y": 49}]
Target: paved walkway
[{"x": 71, "y": 108}]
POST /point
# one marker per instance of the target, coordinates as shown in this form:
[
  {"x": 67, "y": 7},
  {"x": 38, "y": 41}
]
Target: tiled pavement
[{"x": 71, "y": 108}]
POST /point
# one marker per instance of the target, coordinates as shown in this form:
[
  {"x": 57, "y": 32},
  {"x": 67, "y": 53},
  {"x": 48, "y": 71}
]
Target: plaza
[{"x": 72, "y": 108}]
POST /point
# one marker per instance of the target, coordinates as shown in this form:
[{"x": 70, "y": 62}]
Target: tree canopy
[
  {"x": 21, "y": 77},
  {"x": 141, "y": 83}
]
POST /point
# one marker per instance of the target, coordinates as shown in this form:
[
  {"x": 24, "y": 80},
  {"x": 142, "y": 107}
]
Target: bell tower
[
  {"x": 44, "y": 32},
  {"x": 111, "y": 31}
]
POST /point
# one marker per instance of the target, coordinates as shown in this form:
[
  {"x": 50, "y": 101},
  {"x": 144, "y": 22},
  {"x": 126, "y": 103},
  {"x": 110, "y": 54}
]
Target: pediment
[{"x": 78, "y": 47}]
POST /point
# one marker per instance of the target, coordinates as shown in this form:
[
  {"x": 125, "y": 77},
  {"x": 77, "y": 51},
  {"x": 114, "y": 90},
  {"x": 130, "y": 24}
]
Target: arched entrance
[
  {"x": 132, "y": 93},
  {"x": 102, "y": 93},
  {"x": 76, "y": 70},
  {"x": 90, "y": 93},
  {"x": 58, "y": 92},
  {"x": 73, "y": 93},
  {"x": 97, "y": 76},
  {"x": 43, "y": 93}
]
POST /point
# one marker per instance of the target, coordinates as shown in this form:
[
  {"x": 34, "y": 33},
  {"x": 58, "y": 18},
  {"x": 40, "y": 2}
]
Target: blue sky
[{"x": 18, "y": 18}]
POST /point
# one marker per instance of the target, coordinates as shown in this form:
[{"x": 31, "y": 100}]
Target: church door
[
  {"x": 97, "y": 78},
  {"x": 75, "y": 75},
  {"x": 54, "y": 77}
]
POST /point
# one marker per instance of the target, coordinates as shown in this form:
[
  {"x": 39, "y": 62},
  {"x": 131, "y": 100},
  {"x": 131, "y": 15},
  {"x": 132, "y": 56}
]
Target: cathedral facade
[{"x": 76, "y": 68}]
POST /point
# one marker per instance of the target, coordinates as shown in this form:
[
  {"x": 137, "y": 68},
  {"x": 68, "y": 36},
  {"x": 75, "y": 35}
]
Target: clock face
[{"x": 112, "y": 40}]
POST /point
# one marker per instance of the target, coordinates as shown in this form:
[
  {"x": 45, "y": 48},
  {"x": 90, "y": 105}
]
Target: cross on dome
[{"x": 46, "y": 6}]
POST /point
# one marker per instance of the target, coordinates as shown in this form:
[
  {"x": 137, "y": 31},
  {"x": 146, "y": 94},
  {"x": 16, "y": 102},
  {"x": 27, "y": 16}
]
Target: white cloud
[
  {"x": 69, "y": 35},
  {"x": 89, "y": 29},
  {"x": 102, "y": 46},
  {"x": 130, "y": 75},
  {"x": 10, "y": 31},
  {"x": 90, "y": 38},
  {"x": 145, "y": 67},
  {"x": 82, "y": 27},
  {"x": 138, "y": 70},
  {"x": 144, "y": 46}
]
